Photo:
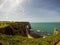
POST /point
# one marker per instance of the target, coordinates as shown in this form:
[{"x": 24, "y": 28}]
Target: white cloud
[
  {"x": 15, "y": 10},
  {"x": 9, "y": 9},
  {"x": 8, "y": 5}
]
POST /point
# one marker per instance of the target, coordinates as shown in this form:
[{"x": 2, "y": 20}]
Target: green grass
[
  {"x": 19, "y": 40},
  {"x": 5, "y": 24}
]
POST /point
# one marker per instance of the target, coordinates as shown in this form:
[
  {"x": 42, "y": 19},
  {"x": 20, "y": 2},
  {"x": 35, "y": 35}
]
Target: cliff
[{"x": 14, "y": 28}]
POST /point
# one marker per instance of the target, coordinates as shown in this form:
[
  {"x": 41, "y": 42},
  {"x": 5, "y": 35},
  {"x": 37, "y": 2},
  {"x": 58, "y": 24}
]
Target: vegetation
[
  {"x": 19, "y": 40},
  {"x": 5, "y": 24}
]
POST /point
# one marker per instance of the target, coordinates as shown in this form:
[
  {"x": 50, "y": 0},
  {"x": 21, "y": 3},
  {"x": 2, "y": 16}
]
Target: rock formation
[
  {"x": 19, "y": 28},
  {"x": 16, "y": 28},
  {"x": 55, "y": 31},
  {"x": 31, "y": 34}
]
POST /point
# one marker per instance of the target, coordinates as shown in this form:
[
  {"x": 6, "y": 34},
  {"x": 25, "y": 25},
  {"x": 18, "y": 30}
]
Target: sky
[{"x": 30, "y": 10}]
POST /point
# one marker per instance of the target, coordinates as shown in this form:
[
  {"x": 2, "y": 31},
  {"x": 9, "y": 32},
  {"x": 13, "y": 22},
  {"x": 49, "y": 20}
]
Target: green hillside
[{"x": 19, "y": 40}]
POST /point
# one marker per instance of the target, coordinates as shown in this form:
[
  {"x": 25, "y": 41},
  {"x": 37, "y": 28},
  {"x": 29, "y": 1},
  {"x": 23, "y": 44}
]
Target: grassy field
[{"x": 19, "y": 40}]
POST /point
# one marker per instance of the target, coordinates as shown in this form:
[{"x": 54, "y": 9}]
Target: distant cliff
[{"x": 14, "y": 28}]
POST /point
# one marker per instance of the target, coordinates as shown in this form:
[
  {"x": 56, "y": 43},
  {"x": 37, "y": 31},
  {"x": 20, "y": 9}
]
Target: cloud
[
  {"x": 29, "y": 10},
  {"x": 9, "y": 9},
  {"x": 40, "y": 11},
  {"x": 43, "y": 15},
  {"x": 8, "y": 5}
]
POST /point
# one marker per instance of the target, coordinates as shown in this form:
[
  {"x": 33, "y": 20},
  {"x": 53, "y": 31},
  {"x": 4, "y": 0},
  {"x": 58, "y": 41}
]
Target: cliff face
[{"x": 16, "y": 28}]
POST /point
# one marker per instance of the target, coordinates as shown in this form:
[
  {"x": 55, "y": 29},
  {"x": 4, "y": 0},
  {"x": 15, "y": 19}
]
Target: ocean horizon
[{"x": 47, "y": 27}]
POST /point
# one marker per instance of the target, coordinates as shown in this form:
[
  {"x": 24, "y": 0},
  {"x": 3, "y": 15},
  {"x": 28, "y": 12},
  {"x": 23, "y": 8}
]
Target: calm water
[{"x": 46, "y": 27}]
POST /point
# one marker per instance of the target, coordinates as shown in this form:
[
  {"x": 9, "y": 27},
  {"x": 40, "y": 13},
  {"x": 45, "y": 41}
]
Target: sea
[{"x": 45, "y": 27}]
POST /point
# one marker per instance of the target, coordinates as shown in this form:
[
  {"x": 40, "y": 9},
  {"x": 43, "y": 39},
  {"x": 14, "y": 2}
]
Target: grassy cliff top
[
  {"x": 5, "y": 24},
  {"x": 8, "y": 23}
]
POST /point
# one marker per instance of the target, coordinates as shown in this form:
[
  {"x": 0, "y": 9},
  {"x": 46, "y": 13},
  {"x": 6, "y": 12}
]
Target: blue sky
[{"x": 30, "y": 10}]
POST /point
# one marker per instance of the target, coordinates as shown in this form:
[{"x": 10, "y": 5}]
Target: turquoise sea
[{"x": 46, "y": 27}]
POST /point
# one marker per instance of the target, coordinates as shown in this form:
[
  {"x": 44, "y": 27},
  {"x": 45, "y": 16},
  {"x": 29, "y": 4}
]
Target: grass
[
  {"x": 19, "y": 40},
  {"x": 5, "y": 24}
]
